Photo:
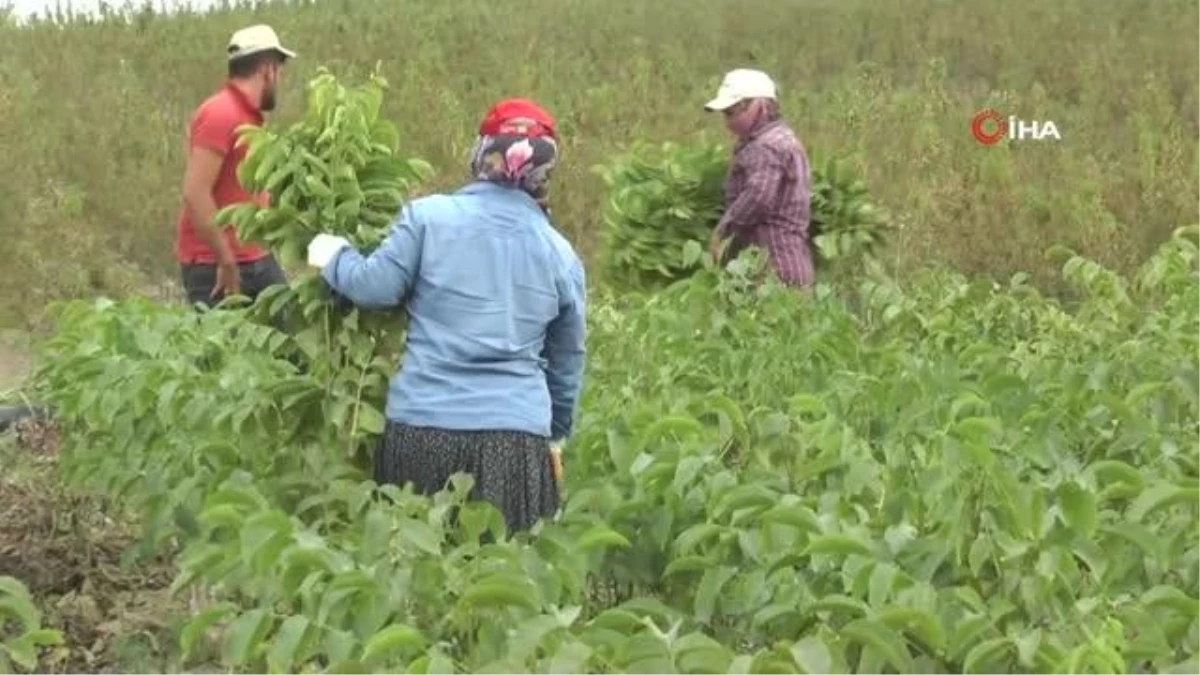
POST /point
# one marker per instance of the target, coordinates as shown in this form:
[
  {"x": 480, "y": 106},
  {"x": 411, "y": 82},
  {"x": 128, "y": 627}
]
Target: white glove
[{"x": 323, "y": 248}]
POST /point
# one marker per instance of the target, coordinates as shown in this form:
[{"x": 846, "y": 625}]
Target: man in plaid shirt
[{"x": 768, "y": 187}]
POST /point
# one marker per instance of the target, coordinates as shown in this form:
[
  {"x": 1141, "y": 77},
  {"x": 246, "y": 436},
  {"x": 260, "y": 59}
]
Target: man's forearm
[
  {"x": 202, "y": 209},
  {"x": 724, "y": 228},
  {"x": 740, "y": 216}
]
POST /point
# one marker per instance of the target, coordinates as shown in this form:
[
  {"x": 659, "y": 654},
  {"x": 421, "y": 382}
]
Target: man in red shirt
[{"x": 214, "y": 263}]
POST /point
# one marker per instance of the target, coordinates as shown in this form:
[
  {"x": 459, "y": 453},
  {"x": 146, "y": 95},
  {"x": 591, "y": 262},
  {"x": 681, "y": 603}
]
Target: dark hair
[{"x": 245, "y": 66}]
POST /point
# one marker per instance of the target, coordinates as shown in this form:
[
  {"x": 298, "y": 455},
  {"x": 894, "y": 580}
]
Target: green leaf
[
  {"x": 23, "y": 649},
  {"x": 571, "y": 657},
  {"x": 984, "y": 657},
  {"x": 198, "y": 626},
  {"x": 288, "y": 644},
  {"x": 21, "y": 609},
  {"x": 709, "y": 590},
  {"x": 601, "y": 536},
  {"x": 245, "y": 637},
  {"x": 837, "y": 544},
  {"x": 421, "y": 535},
  {"x": 20, "y": 651},
  {"x": 396, "y": 636},
  {"x": 812, "y": 655},
  {"x": 349, "y": 666},
  {"x": 431, "y": 664},
  {"x": 699, "y": 653},
  {"x": 885, "y": 641},
  {"x": 499, "y": 594},
  {"x": 370, "y": 420},
  {"x": 1027, "y": 648},
  {"x": 528, "y": 636},
  {"x": 924, "y": 625},
  {"x": 692, "y": 252},
  {"x": 1079, "y": 507},
  {"x": 1160, "y": 496}
]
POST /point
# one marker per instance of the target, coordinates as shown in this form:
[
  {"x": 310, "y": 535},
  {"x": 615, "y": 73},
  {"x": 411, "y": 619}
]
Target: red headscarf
[
  {"x": 518, "y": 116},
  {"x": 517, "y": 146}
]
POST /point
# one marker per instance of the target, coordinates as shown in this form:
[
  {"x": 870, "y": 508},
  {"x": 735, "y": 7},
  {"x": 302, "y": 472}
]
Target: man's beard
[{"x": 268, "y": 99}]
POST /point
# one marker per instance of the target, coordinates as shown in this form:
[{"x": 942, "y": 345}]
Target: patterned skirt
[{"x": 512, "y": 470}]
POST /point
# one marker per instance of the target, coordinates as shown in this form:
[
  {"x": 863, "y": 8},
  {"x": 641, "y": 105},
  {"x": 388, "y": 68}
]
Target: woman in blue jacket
[{"x": 496, "y": 298}]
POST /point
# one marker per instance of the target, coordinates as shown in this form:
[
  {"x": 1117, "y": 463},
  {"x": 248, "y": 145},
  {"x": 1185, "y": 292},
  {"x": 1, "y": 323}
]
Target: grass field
[
  {"x": 917, "y": 470},
  {"x": 94, "y": 114}
]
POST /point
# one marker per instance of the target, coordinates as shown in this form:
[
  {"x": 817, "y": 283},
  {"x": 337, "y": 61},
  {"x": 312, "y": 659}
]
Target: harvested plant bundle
[{"x": 660, "y": 201}]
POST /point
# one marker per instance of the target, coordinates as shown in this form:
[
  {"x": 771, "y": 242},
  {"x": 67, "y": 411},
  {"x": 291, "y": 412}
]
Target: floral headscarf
[{"x": 516, "y": 147}]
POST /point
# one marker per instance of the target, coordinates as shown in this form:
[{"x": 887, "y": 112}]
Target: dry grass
[{"x": 69, "y": 551}]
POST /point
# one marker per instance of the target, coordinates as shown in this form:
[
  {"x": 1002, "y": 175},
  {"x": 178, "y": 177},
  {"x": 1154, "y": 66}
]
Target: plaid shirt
[{"x": 767, "y": 201}]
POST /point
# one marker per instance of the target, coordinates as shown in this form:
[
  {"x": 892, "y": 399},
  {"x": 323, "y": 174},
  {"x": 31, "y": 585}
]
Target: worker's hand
[
  {"x": 323, "y": 248},
  {"x": 556, "y": 465},
  {"x": 229, "y": 280},
  {"x": 714, "y": 247}
]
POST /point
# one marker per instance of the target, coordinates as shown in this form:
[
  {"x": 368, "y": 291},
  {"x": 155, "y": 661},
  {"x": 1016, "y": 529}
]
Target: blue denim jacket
[{"x": 496, "y": 302}]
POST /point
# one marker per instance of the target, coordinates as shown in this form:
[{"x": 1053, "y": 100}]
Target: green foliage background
[{"x": 95, "y": 113}]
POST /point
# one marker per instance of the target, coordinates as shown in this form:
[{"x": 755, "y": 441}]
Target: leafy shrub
[
  {"x": 660, "y": 201},
  {"x": 335, "y": 171},
  {"x": 339, "y": 171}
]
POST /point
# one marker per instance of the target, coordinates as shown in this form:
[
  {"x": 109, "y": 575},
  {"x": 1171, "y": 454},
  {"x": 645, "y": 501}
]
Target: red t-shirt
[{"x": 214, "y": 125}]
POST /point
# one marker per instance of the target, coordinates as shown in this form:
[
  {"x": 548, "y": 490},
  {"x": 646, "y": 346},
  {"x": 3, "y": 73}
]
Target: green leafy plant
[
  {"x": 655, "y": 208},
  {"x": 845, "y": 224},
  {"x": 660, "y": 199},
  {"x": 338, "y": 171},
  {"x": 335, "y": 171},
  {"x": 21, "y": 632}
]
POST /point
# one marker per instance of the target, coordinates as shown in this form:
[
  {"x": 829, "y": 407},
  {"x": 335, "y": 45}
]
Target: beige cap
[
  {"x": 255, "y": 39},
  {"x": 740, "y": 85}
]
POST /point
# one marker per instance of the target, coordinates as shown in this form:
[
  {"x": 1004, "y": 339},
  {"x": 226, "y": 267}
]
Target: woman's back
[
  {"x": 493, "y": 276},
  {"x": 495, "y": 302},
  {"x": 489, "y": 273},
  {"x": 493, "y": 364}
]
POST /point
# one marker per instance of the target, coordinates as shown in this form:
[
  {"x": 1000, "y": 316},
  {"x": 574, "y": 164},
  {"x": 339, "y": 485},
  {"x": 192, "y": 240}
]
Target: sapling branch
[{"x": 352, "y": 437}]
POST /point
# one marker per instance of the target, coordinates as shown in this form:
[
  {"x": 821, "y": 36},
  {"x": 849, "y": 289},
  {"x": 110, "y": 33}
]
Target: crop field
[
  {"x": 96, "y": 114},
  {"x": 973, "y": 448}
]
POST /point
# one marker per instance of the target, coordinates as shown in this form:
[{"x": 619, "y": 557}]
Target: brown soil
[{"x": 68, "y": 553}]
